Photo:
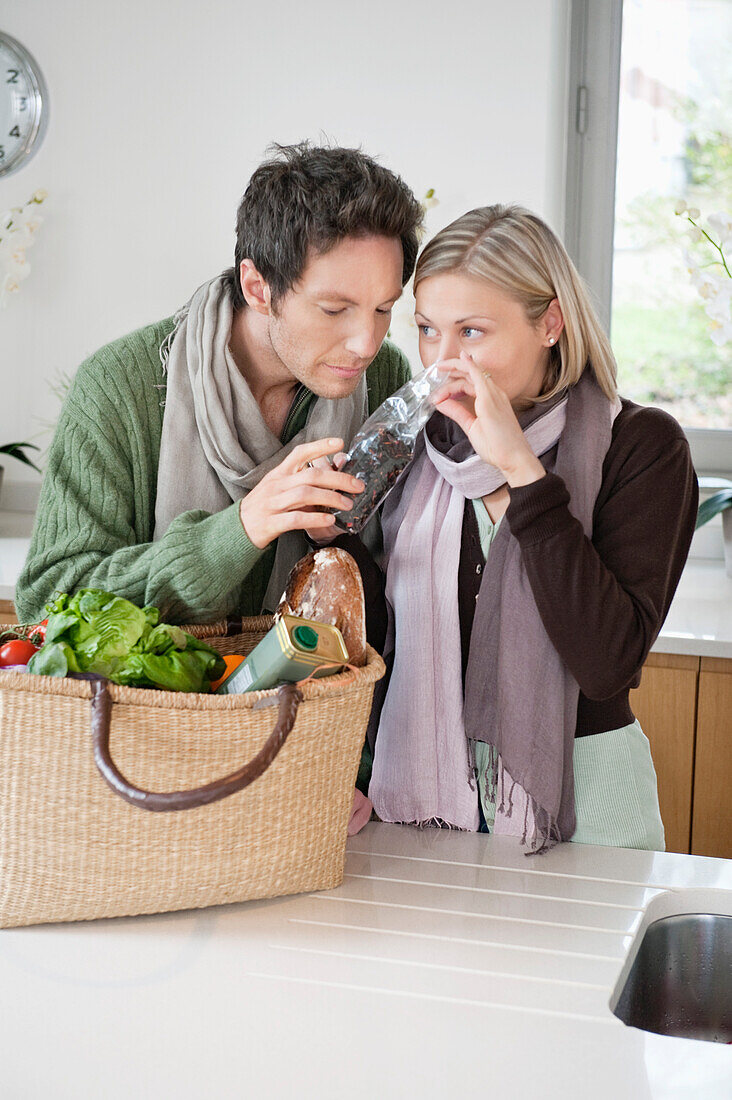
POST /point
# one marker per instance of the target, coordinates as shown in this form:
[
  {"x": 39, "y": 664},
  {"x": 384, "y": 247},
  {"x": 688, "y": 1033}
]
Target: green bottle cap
[{"x": 305, "y": 637}]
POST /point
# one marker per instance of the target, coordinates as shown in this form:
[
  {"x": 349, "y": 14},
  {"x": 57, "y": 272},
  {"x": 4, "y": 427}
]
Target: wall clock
[{"x": 23, "y": 105}]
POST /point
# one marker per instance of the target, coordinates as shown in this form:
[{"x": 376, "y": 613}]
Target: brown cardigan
[{"x": 604, "y": 601}]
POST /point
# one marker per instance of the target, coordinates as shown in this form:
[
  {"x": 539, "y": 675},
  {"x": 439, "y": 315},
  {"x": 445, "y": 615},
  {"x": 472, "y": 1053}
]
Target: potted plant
[
  {"x": 721, "y": 501},
  {"x": 17, "y": 450}
]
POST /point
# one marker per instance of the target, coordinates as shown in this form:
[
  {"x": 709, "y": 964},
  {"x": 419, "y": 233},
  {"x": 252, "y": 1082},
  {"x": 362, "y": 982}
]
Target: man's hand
[
  {"x": 327, "y": 534},
  {"x": 287, "y": 497}
]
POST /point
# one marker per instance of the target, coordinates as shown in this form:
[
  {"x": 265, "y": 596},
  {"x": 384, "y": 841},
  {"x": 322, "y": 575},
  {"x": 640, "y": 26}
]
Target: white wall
[{"x": 160, "y": 111}]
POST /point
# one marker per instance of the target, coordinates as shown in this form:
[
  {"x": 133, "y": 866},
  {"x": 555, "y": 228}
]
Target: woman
[{"x": 533, "y": 549}]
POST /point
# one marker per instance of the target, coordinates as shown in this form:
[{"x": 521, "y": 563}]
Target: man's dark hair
[{"x": 306, "y": 197}]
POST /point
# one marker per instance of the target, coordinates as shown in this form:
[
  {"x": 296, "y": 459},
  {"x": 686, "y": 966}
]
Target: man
[{"x": 189, "y": 485}]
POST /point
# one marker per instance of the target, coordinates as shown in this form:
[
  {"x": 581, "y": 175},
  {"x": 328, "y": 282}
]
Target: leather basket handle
[{"x": 290, "y": 698}]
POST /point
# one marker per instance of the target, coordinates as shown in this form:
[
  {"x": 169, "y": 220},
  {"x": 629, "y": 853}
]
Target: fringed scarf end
[
  {"x": 542, "y": 826},
  {"x": 164, "y": 349},
  {"x": 436, "y": 823},
  {"x": 472, "y": 766},
  {"x": 491, "y": 773},
  {"x": 546, "y": 835}
]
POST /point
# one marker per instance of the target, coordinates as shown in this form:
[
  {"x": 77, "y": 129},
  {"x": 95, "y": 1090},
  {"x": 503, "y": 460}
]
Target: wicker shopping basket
[{"x": 79, "y": 838}]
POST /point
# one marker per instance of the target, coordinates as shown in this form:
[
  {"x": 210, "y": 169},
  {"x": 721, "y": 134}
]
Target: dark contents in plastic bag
[
  {"x": 384, "y": 447},
  {"x": 377, "y": 460}
]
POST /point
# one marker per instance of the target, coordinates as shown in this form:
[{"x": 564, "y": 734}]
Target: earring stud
[{"x": 551, "y": 339}]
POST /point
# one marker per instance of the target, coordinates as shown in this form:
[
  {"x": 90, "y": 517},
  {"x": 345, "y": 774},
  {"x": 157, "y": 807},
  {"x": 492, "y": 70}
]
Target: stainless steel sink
[{"x": 680, "y": 982}]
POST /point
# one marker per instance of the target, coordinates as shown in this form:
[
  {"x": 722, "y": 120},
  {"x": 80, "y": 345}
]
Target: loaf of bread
[{"x": 326, "y": 586}]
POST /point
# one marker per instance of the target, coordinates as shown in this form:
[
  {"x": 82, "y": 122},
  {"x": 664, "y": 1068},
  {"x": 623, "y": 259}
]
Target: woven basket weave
[{"x": 72, "y": 849}]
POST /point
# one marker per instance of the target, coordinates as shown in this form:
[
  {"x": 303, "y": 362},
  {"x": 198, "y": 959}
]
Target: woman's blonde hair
[{"x": 518, "y": 253}]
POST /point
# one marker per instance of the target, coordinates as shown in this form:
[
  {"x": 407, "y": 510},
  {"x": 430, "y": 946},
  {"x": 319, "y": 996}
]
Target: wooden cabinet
[
  {"x": 7, "y": 612},
  {"x": 711, "y": 828},
  {"x": 684, "y": 705},
  {"x": 665, "y": 706}
]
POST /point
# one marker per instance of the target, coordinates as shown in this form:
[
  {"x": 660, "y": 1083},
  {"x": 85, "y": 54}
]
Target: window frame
[{"x": 592, "y": 151}]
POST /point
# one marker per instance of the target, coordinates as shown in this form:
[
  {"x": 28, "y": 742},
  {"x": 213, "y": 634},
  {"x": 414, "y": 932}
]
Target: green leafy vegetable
[
  {"x": 164, "y": 638},
  {"x": 96, "y": 631},
  {"x": 58, "y": 623},
  {"x": 54, "y": 659}
]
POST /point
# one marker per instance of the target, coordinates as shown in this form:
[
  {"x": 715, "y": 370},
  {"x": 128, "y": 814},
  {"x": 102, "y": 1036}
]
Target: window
[{"x": 652, "y": 126}]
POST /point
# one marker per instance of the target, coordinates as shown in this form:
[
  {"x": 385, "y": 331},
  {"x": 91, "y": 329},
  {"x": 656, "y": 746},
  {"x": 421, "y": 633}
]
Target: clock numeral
[
  {"x": 2, "y": 152},
  {"x": 23, "y": 103},
  {"x": 13, "y": 78},
  {"x": 15, "y": 132}
]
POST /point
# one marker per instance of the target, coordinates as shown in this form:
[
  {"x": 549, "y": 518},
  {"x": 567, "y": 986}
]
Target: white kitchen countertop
[
  {"x": 15, "y": 533},
  {"x": 447, "y": 964},
  {"x": 699, "y": 621}
]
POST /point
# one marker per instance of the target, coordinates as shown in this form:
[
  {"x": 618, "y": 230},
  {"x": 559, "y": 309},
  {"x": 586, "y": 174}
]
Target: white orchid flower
[
  {"x": 721, "y": 333},
  {"x": 11, "y": 282},
  {"x": 702, "y": 280},
  {"x": 19, "y": 236},
  {"x": 717, "y": 304},
  {"x": 721, "y": 223},
  {"x": 19, "y": 267},
  {"x": 18, "y": 228},
  {"x": 30, "y": 220},
  {"x": 10, "y": 285},
  {"x": 17, "y": 256}
]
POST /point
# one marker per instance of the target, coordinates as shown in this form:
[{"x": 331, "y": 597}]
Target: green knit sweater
[{"x": 96, "y": 514}]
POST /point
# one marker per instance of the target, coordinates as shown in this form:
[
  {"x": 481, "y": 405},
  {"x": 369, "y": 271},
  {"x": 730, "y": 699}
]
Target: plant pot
[{"x": 727, "y": 539}]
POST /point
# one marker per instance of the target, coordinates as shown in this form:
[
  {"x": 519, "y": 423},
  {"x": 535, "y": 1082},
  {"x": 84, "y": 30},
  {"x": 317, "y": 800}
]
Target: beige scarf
[{"x": 215, "y": 444}]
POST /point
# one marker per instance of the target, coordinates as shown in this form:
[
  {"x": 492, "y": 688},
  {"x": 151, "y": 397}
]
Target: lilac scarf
[{"x": 519, "y": 696}]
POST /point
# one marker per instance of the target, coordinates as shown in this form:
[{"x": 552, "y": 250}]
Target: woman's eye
[
  {"x": 385, "y": 312},
  {"x": 469, "y": 332},
  {"x": 331, "y": 312},
  {"x": 428, "y": 331}
]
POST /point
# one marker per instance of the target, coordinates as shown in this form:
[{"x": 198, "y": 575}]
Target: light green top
[
  {"x": 96, "y": 516},
  {"x": 487, "y": 529}
]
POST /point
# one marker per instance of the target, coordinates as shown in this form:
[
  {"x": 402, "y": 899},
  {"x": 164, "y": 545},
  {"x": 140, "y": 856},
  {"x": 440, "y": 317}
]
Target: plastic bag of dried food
[{"x": 384, "y": 446}]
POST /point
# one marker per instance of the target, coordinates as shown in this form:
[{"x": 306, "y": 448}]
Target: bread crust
[{"x": 326, "y": 586}]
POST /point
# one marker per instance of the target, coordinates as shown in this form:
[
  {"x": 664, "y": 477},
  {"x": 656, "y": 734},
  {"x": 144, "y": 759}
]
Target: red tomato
[
  {"x": 16, "y": 652},
  {"x": 38, "y": 631}
]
